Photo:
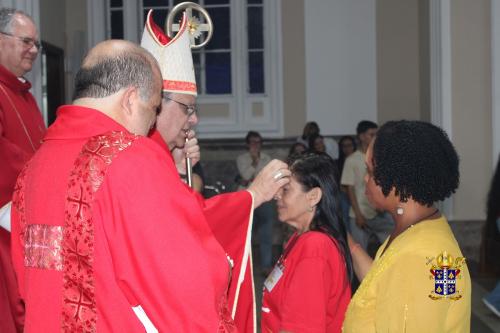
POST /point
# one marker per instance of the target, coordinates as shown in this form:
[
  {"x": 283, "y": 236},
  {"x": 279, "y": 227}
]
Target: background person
[
  {"x": 249, "y": 164},
  {"x": 21, "y": 132},
  {"x": 347, "y": 146},
  {"x": 297, "y": 148},
  {"x": 308, "y": 289},
  {"x": 413, "y": 285},
  {"x": 311, "y": 128},
  {"x": 364, "y": 219},
  {"x": 317, "y": 144}
]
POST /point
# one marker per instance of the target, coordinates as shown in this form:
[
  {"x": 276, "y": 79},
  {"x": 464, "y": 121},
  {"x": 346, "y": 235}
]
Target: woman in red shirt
[{"x": 308, "y": 289}]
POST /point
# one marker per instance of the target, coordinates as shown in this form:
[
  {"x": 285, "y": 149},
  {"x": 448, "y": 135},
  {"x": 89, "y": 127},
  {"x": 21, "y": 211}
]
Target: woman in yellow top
[{"x": 419, "y": 281}]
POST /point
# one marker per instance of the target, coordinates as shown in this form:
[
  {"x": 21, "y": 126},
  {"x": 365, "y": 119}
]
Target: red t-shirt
[{"x": 313, "y": 293}]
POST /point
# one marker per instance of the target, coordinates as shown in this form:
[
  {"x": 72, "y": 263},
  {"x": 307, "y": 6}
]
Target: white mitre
[{"x": 173, "y": 56}]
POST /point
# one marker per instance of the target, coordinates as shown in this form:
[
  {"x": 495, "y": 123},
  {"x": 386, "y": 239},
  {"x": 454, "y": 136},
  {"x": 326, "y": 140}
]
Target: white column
[
  {"x": 341, "y": 63},
  {"x": 96, "y": 22},
  {"x": 131, "y": 25},
  {"x": 495, "y": 78},
  {"x": 440, "y": 49}
]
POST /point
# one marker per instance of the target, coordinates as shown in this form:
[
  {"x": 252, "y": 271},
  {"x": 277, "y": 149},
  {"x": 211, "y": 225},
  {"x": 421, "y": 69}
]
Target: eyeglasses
[
  {"x": 189, "y": 110},
  {"x": 28, "y": 42}
]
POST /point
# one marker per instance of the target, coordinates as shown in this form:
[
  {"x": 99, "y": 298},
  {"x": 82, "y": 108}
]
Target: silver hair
[{"x": 7, "y": 16}]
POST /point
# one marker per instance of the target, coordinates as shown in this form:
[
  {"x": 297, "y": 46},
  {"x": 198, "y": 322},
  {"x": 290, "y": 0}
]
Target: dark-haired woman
[
  {"x": 419, "y": 281},
  {"x": 308, "y": 289},
  {"x": 317, "y": 144}
]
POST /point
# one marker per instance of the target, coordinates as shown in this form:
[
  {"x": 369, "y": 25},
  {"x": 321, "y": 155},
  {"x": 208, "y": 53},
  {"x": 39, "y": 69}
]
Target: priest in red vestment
[
  {"x": 21, "y": 131},
  {"x": 93, "y": 246},
  {"x": 173, "y": 128}
]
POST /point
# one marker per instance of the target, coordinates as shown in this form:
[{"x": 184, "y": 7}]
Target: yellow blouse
[{"x": 401, "y": 292}]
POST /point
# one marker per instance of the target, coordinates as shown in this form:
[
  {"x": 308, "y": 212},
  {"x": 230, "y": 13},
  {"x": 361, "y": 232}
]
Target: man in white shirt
[
  {"x": 249, "y": 164},
  {"x": 364, "y": 219}
]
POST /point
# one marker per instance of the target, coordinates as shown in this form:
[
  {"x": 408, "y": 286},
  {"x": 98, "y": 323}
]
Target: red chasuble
[
  {"x": 229, "y": 218},
  {"x": 21, "y": 131},
  {"x": 102, "y": 223}
]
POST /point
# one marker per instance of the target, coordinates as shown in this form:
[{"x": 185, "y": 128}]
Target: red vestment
[
  {"x": 313, "y": 293},
  {"x": 101, "y": 222},
  {"x": 230, "y": 225},
  {"x": 21, "y": 131}
]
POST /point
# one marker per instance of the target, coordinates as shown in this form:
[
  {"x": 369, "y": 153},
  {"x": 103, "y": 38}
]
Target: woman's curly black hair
[{"x": 416, "y": 159}]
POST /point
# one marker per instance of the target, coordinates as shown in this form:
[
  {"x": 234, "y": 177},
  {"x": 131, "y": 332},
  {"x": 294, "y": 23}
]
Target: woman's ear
[{"x": 314, "y": 196}]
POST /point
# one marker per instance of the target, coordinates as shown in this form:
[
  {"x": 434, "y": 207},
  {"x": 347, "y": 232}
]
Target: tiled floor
[{"x": 482, "y": 319}]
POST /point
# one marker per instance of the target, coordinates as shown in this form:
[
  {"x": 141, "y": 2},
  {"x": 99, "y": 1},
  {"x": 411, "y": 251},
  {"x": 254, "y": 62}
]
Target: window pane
[
  {"x": 159, "y": 16},
  {"x": 221, "y": 37},
  {"x": 117, "y": 24},
  {"x": 256, "y": 72},
  {"x": 116, "y": 3},
  {"x": 254, "y": 1},
  {"x": 155, "y": 3},
  {"x": 218, "y": 73},
  {"x": 255, "y": 28},
  {"x": 197, "y": 70},
  {"x": 215, "y": 2},
  {"x": 179, "y": 1}
]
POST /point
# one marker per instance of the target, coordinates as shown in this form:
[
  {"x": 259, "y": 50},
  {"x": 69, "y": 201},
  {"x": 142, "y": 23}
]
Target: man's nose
[{"x": 193, "y": 119}]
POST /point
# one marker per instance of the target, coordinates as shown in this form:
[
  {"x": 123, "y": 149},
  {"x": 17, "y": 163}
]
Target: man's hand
[
  {"x": 268, "y": 181},
  {"x": 255, "y": 155},
  {"x": 191, "y": 149},
  {"x": 360, "y": 221}
]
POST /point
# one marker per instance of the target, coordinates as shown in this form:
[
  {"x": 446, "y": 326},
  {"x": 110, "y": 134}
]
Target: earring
[
  {"x": 310, "y": 209},
  {"x": 400, "y": 210}
]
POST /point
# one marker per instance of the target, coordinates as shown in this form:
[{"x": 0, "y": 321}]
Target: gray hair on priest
[
  {"x": 7, "y": 16},
  {"x": 106, "y": 73}
]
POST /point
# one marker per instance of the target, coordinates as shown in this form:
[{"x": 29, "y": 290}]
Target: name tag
[{"x": 273, "y": 278}]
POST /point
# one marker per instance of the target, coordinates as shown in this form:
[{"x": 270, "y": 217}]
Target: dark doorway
[{"x": 52, "y": 79}]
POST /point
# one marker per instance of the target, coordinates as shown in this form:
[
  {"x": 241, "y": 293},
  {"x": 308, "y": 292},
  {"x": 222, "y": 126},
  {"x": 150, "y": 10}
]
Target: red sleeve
[
  {"x": 305, "y": 298},
  {"x": 229, "y": 218},
  {"x": 228, "y": 215},
  {"x": 158, "y": 243}
]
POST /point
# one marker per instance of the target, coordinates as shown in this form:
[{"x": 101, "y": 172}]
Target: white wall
[{"x": 340, "y": 41}]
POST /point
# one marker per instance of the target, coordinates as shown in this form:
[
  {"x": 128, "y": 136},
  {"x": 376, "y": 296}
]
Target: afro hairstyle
[{"x": 417, "y": 159}]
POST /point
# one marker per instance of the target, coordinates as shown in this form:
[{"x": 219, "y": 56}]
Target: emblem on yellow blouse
[{"x": 445, "y": 271}]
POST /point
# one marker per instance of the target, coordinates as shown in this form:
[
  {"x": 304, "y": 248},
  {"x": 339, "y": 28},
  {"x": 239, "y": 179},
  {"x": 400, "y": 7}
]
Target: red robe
[
  {"x": 101, "y": 222},
  {"x": 21, "y": 131},
  {"x": 233, "y": 235}
]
